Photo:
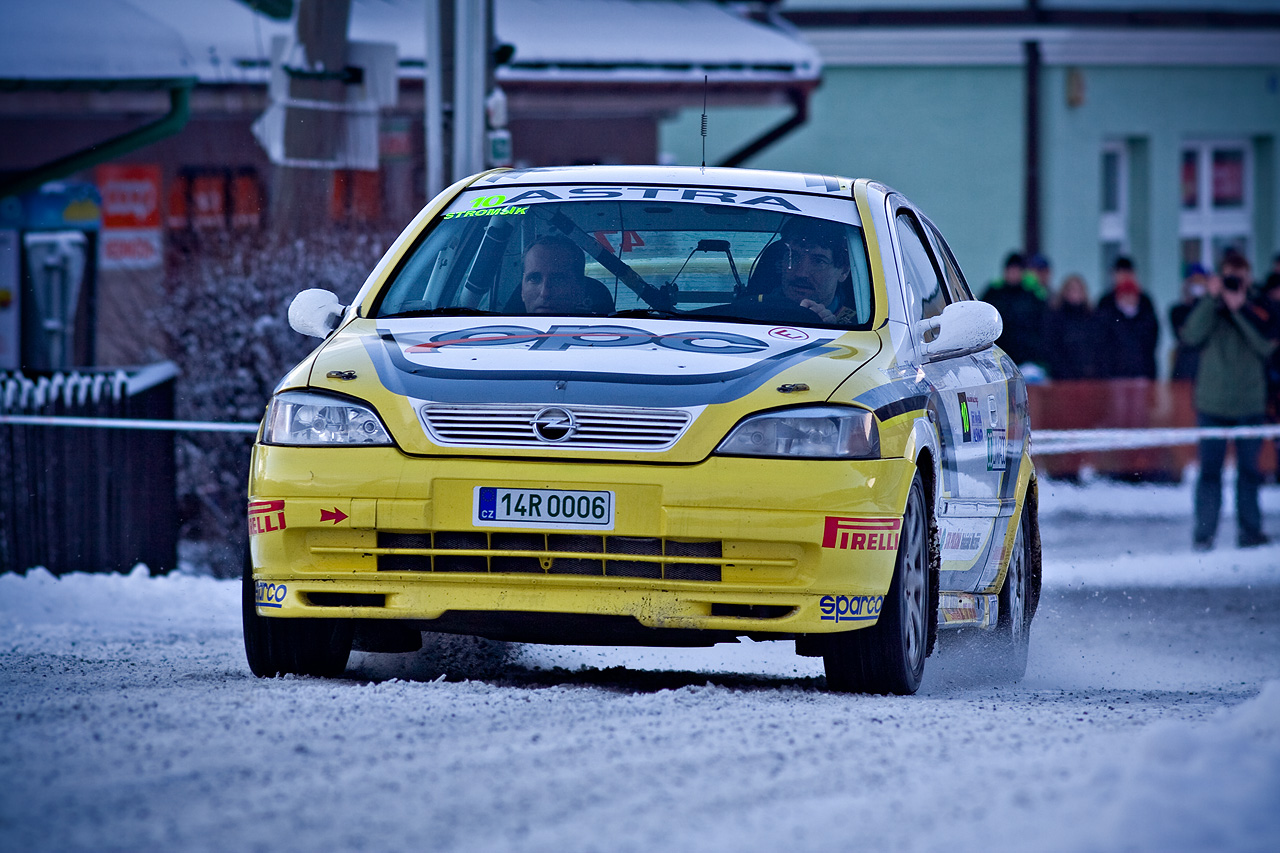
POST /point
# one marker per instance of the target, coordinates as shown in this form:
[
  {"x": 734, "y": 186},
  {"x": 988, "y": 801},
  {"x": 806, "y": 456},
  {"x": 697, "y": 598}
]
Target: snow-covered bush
[{"x": 226, "y": 321}]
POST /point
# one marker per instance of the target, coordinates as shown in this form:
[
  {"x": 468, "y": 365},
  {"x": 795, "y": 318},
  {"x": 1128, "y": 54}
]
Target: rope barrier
[
  {"x": 1053, "y": 441},
  {"x": 1044, "y": 442},
  {"x": 128, "y": 423}
]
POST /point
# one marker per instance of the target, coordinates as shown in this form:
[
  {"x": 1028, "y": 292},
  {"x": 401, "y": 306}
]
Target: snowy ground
[{"x": 1149, "y": 720}]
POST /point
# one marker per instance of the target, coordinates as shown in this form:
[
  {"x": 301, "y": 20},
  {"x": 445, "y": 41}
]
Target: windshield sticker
[
  {"x": 488, "y": 211},
  {"x": 517, "y": 200}
]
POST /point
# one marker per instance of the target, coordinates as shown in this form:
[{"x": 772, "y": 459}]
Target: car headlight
[
  {"x": 828, "y": 432},
  {"x": 304, "y": 418}
]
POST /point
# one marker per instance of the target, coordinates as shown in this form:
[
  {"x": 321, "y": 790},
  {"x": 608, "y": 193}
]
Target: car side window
[
  {"x": 957, "y": 287},
  {"x": 925, "y": 284}
]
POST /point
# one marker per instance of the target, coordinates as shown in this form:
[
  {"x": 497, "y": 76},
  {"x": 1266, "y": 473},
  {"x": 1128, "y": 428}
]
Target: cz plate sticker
[{"x": 562, "y": 509}]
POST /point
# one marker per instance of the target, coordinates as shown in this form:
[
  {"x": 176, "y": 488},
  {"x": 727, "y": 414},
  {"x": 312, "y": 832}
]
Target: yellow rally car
[{"x": 650, "y": 406}]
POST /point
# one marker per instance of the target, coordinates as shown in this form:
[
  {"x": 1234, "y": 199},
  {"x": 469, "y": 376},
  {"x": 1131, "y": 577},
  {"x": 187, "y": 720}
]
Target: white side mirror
[
  {"x": 315, "y": 312},
  {"x": 961, "y": 328}
]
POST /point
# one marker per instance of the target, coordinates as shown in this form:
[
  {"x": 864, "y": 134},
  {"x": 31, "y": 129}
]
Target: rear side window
[
  {"x": 957, "y": 285},
  {"x": 923, "y": 282}
]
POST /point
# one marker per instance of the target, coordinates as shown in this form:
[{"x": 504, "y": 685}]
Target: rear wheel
[
  {"x": 889, "y": 656},
  {"x": 1005, "y": 649},
  {"x": 299, "y": 646}
]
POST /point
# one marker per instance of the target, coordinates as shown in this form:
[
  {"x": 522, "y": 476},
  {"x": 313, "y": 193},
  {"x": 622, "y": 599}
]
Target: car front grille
[
  {"x": 550, "y": 553},
  {"x": 593, "y": 427}
]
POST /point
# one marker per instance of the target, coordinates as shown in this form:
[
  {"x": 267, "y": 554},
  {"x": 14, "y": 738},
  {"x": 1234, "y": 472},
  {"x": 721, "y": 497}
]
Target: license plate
[{"x": 543, "y": 508}]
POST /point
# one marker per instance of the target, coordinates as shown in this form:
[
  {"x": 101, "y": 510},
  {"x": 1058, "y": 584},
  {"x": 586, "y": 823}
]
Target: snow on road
[{"x": 1149, "y": 720}]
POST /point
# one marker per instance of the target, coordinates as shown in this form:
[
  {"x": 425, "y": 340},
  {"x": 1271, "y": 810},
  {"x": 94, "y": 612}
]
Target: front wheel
[
  {"x": 889, "y": 656},
  {"x": 298, "y": 646}
]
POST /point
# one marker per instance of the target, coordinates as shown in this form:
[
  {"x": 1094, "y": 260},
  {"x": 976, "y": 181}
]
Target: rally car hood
[{"x": 717, "y": 372}]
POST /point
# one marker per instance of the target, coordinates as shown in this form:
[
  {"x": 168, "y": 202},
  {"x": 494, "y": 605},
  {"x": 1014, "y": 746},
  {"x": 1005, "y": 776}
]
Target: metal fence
[{"x": 88, "y": 498}]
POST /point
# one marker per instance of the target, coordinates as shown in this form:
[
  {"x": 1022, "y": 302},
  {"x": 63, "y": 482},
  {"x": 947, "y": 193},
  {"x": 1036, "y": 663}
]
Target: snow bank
[{"x": 1210, "y": 786}]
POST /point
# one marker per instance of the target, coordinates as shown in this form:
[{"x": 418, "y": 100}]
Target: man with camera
[{"x": 1231, "y": 390}]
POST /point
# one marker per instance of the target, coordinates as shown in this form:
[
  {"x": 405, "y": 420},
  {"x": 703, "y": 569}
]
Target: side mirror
[
  {"x": 315, "y": 312},
  {"x": 961, "y": 328}
]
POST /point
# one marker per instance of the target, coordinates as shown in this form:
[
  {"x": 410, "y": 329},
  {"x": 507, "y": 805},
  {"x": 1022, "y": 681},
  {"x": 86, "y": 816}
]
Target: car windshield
[{"x": 746, "y": 256}]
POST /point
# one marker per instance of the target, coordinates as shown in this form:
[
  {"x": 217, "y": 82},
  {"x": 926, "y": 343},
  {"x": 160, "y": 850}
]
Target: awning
[
  {"x": 88, "y": 43},
  {"x": 98, "y": 45}
]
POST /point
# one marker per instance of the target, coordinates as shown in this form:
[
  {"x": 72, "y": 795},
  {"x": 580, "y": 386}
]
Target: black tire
[
  {"x": 889, "y": 656},
  {"x": 1006, "y": 648},
  {"x": 292, "y": 646}
]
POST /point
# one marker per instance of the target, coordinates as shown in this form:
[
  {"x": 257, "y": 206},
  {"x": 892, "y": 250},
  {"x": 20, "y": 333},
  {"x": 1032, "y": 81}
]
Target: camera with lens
[{"x": 1232, "y": 283}]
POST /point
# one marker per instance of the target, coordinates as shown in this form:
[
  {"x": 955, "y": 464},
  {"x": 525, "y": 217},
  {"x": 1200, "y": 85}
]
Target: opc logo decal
[
  {"x": 850, "y": 608},
  {"x": 267, "y": 594},
  {"x": 861, "y": 534},
  {"x": 265, "y": 517},
  {"x": 559, "y": 338}
]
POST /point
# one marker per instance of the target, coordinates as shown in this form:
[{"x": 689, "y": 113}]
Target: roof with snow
[
  {"x": 225, "y": 41},
  {"x": 65, "y": 42}
]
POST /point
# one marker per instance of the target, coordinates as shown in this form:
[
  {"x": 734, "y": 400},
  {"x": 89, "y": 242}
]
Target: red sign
[
  {"x": 209, "y": 202},
  {"x": 265, "y": 517},
  {"x": 130, "y": 196},
  {"x": 246, "y": 202},
  {"x": 861, "y": 534},
  {"x": 178, "y": 218}
]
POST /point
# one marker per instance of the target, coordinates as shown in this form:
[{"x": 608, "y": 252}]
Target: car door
[{"x": 969, "y": 405}]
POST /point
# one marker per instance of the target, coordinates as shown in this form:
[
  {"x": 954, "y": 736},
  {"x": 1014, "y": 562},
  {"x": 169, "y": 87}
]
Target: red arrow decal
[{"x": 335, "y": 515}]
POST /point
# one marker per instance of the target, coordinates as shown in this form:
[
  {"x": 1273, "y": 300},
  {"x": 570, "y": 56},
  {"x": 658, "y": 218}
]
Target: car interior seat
[{"x": 766, "y": 272}]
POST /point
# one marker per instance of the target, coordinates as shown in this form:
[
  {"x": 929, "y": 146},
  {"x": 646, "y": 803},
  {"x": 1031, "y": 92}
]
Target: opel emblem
[{"x": 554, "y": 424}]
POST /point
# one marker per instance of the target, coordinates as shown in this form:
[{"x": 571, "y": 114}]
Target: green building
[{"x": 1081, "y": 130}]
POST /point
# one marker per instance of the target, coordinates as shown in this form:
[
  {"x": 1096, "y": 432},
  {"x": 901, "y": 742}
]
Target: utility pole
[
  {"x": 459, "y": 67},
  {"x": 312, "y": 133}
]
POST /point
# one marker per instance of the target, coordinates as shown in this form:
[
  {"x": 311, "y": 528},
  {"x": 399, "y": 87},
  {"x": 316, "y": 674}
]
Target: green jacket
[{"x": 1231, "y": 381}]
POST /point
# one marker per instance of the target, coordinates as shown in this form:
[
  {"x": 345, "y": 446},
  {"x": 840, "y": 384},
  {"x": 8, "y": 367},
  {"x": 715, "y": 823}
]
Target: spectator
[
  {"x": 1021, "y": 303},
  {"x": 1270, "y": 303},
  {"x": 1231, "y": 390},
  {"x": 1071, "y": 332},
  {"x": 1128, "y": 328},
  {"x": 1039, "y": 274},
  {"x": 1185, "y": 358}
]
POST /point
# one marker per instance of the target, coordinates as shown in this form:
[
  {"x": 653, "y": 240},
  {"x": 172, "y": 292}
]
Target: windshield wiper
[
  {"x": 446, "y": 311},
  {"x": 657, "y": 314},
  {"x": 649, "y": 314}
]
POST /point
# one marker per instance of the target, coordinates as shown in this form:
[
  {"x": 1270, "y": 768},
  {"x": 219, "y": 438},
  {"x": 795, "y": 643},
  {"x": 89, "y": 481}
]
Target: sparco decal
[
  {"x": 861, "y": 534},
  {"x": 265, "y": 517},
  {"x": 850, "y": 608},
  {"x": 559, "y": 338},
  {"x": 267, "y": 594}
]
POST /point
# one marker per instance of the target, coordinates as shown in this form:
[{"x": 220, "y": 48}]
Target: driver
[
  {"x": 815, "y": 268},
  {"x": 554, "y": 280}
]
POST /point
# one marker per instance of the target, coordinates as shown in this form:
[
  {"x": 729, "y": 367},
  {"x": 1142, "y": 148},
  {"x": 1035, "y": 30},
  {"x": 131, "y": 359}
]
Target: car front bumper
[{"x": 738, "y": 545}]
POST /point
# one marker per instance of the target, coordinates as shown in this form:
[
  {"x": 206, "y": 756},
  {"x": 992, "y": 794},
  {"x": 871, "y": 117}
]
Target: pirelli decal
[
  {"x": 265, "y": 517},
  {"x": 861, "y": 534}
]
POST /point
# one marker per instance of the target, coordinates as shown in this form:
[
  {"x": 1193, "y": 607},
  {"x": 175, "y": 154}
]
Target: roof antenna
[{"x": 704, "y": 123}]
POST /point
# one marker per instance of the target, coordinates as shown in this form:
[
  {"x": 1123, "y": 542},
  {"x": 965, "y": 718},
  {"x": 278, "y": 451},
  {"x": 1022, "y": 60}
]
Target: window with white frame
[
  {"x": 1217, "y": 203},
  {"x": 1113, "y": 221}
]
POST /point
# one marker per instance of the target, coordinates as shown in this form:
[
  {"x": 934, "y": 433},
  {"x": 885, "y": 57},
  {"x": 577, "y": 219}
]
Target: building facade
[{"x": 1080, "y": 130}]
